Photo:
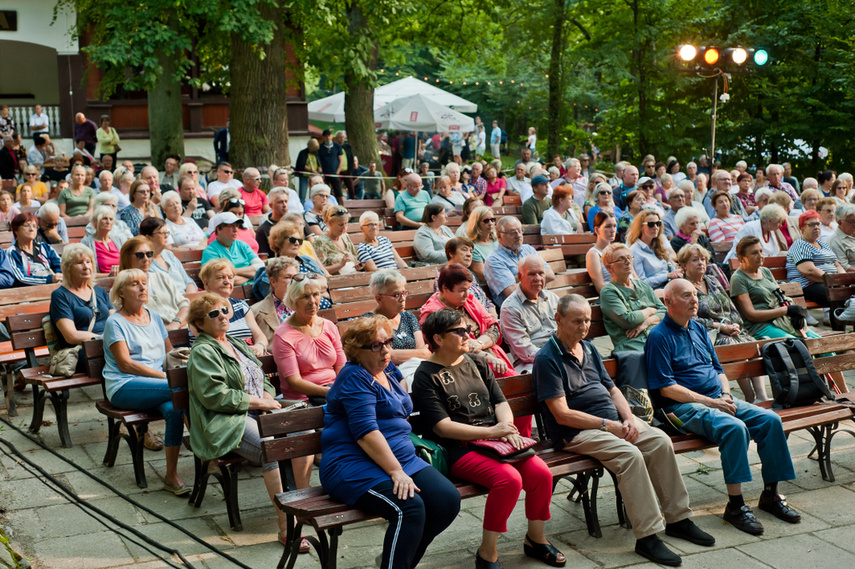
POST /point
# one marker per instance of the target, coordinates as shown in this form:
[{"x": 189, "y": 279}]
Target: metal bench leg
[
  {"x": 136, "y": 445},
  {"x": 199, "y": 468},
  {"x": 39, "y": 400},
  {"x": 291, "y": 552},
  {"x": 230, "y": 484},
  {"x": 325, "y": 547},
  {"x": 589, "y": 503},
  {"x": 60, "y": 407},
  {"x": 204, "y": 474},
  {"x": 114, "y": 438}
]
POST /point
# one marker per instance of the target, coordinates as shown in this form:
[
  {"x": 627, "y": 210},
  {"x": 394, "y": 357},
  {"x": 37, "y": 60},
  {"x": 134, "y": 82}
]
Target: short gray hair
[
  {"x": 506, "y": 220},
  {"x": 100, "y": 212},
  {"x": 296, "y": 288},
  {"x": 381, "y": 280},
  {"x": 742, "y": 163},
  {"x": 102, "y": 197},
  {"x": 103, "y": 172},
  {"x": 685, "y": 214},
  {"x": 676, "y": 189},
  {"x": 810, "y": 183},
  {"x": 687, "y": 186},
  {"x": 762, "y": 192},
  {"x": 565, "y": 301},
  {"x": 573, "y": 162},
  {"x": 368, "y": 216},
  {"x": 777, "y": 167},
  {"x": 168, "y": 197},
  {"x": 318, "y": 188},
  {"x": 843, "y": 211},
  {"x": 278, "y": 264},
  {"x": 47, "y": 209},
  {"x": 774, "y": 212},
  {"x": 533, "y": 259},
  {"x": 274, "y": 192}
]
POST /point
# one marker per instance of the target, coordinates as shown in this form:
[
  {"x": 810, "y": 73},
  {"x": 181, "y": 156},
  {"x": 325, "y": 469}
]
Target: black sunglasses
[
  {"x": 378, "y": 346},
  {"x": 340, "y": 212},
  {"x": 142, "y": 255},
  {"x": 215, "y": 313},
  {"x": 295, "y": 241},
  {"x": 652, "y": 224},
  {"x": 462, "y": 331}
]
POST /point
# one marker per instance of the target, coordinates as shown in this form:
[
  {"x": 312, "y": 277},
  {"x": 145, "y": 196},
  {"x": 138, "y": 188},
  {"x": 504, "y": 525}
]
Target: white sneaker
[{"x": 846, "y": 314}]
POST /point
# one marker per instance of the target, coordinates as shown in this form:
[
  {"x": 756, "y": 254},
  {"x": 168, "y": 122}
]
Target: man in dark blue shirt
[
  {"x": 585, "y": 413},
  {"x": 688, "y": 382},
  {"x": 627, "y": 186},
  {"x": 331, "y": 159}
]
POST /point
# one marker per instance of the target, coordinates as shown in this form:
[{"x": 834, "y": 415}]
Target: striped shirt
[
  {"x": 801, "y": 251},
  {"x": 382, "y": 254},
  {"x": 724, "y": 229}
]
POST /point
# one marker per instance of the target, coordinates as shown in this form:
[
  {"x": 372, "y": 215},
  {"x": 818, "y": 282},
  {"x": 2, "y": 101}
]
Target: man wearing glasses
[
  {"x": 256, "y": 202},
  {"x": 501, "y": 266},
  {"x": 225, "y": 179},
  {"x": 52, "y": 228}
]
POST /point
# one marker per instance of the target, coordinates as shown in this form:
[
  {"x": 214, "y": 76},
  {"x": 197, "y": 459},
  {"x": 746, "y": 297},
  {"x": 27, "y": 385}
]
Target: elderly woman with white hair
[
  {"x": 376, "y": 251},
  {"x": 135, "y": 347},
  {"x": 389, "y": 288},
  {"x": 602, "y": 196},
  {"x": 771, "y": 218},
  {"x": 122, "y": 180},
  {"x": 308, "y": 353},
  {"x": 184, "y": 233},
  {"x": 103, "y": 242},
  {"x": 78, "y": 308},
  {"x": 688, "y": 222},
  {"x": 120, "y": 228},
  {"x": 271, "y": 311},
  {"x": 164, "y": 260},
  {"x": 320, "y": 196}
]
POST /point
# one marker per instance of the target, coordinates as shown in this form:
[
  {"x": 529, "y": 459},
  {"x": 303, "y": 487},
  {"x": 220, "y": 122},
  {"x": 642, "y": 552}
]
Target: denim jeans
[
  {"x": 732, "y": 433},
  {"x": 146, "y": 393}
]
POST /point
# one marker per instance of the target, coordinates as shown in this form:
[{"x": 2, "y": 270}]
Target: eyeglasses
[
  {"x": 461, "y": 331},
  {"x": 647, "y": 187},
  {"x": 488, "y": 220},
  {"x": 143, "y": 254},
  {"x": 161, "y": 233},
  {"x": 236, "y": 201},
  {"x": 340, "y": 212},
  {"x": 215, "y": 313},
  {"x": 371, "y": 225},
  {"x": 255, "y": 178},
  {"x": 378, "y": 346},
  {"x": 626, "y": 260},
  {"x": 400, "y": 295},
  {"x": 50, "y": 225},
  {"x": 813, "y": 225},
  {"x": 295, "y": 241},
  {"x": 606, "y": 193},
  {"x": 30, "y": 173},
  {"x": 652, "y": 224},
  {"x": 303, "y": 276}
]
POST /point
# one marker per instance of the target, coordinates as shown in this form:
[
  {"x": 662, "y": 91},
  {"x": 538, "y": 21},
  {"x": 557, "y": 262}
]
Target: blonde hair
[
  {"x": 202, "y": 305},
  {"x": 361, "y": 333},
  {"x": 473, "y": 227},
  {"x": 70, "y": 254},
  {"x": 609, "y": 251},
  {"x": 297, "y": 288},
  {"x": 123, "y": 279},
  {"x": 634, "y": 233},
  {"x": 213, "y": 267},
  {"x": 280, "y": 232}
]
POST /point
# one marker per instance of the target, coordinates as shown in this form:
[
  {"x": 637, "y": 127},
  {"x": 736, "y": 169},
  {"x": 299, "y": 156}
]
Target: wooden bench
[
  {"x": 27, "y": 334},
  {"x": 722, "y": 248},
  {"x": 840, "y": 287},
  {"x": 227, "y": 466}
]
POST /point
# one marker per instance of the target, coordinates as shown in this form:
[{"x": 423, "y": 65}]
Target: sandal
[
  {"x": 545, "y": 552},
  {"x": 151, "y": 442},
  {"x": 304, "y": 546},
  {"x": 177, "y": 490}
]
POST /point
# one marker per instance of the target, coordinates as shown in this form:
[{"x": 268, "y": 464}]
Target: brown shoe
[{"x": 151, "y": 442}]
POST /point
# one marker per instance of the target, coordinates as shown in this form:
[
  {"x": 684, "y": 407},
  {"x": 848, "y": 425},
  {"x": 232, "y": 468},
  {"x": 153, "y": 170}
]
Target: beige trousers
[{"x": 645, "y": 470}]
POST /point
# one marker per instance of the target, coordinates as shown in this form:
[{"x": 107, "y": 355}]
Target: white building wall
[{"x": 34, "y": 25}]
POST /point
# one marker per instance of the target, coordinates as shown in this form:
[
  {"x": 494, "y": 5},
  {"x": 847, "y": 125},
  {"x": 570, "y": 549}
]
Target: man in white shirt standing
[{"x": 39, "y": 122}]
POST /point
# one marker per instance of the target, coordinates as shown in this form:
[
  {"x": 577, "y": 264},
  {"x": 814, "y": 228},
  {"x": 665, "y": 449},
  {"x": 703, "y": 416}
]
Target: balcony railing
[{"x": 21, "y": 116}]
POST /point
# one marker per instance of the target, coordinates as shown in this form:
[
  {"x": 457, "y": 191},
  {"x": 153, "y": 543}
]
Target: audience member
[
  {"x": 271, "y": 311},
  {"x": 653, "y": 257},
  {"x": 500, "y": 268},
  {"x": 335, "y": 250},
  {"x": 410, "y": 203},
  {"x": 376, "y": 251},
  {"x": 225, "y": 179},
  {"x": 163, "y": 260},
  {"x": 103, "y": 242},
  {"x": 538, "y": 203},
  {"x": 32, "y": 263},
  {"x": 141, "y": 206},
  {"x": 255, "y": 200},
  {"x": 182, "y": 232},
  {"x": 430, "y": 239},
  {"x": 226, "y": 245},
  {"x": 561, "y": 219}
]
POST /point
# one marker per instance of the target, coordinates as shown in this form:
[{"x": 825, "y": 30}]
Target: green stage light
[{"x": 761, "y": 57}]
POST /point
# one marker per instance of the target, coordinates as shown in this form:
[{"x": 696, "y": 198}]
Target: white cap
[{"x": 227, "y": 218}]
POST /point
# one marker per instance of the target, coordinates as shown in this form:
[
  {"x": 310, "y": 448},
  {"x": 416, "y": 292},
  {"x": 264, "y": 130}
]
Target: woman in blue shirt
[
  {"x": 368, "y": 459},
  {"x": 653, "y": 259}
]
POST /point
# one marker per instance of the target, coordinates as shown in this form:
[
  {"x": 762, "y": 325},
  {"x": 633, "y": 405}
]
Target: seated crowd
[{"x": 262, "y": 291}]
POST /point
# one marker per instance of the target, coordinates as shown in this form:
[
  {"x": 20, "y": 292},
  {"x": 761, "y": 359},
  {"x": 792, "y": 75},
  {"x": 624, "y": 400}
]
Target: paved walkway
[{"x": 53, "y": 533}]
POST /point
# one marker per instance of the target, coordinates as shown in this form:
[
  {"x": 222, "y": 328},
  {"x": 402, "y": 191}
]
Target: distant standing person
[
  {"x": 531, "y": 143},
  {"x": 85, "y": 130},
  {"x": 408, "y": 151},
  {"x": 221, "y": 143},
  {"x": 331, "y": 158},
  {"x": 39, "y": 122},
  {"x": 496, "y": 140},
  {"x": 108, "y": 139},
  {"x": 481, "y": 147}
]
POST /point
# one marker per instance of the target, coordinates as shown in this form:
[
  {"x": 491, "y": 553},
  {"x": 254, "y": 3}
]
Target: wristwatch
[
  {"x": 604, "y": 427},
  {"x": 177, "y": 320}
]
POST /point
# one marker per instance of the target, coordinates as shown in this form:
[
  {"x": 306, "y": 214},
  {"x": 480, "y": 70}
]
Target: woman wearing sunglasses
[
  {"x": 481, "y": 230},
  {"x": 368, "y": 459},
  {"x": 603, "y": 202},
  {"x": 228, "y": 390},
  {"x": 165, "y": 295},
  {"x": 654, "y": 260},
  {"x": 232, "y": 202},
  {"x": 458, "y": 399},
  {"x": 105, "y": 242},
  {"x": 630, "y": 307},
  {"x": 335, "y": 249},
  {"x": 308, "y": 354},
  {"x": 135, "y": 347}
]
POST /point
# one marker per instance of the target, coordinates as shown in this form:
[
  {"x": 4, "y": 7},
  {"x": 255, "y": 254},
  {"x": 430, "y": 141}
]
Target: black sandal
[{"x": 545, "y": 552}]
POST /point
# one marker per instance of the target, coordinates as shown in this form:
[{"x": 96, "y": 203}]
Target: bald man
[
  {"x": 255, "y": 198},
  {"x": 410, "y": 204},
  {"x": 687, "y": 381},
  {"x": 85, "y": 130}
]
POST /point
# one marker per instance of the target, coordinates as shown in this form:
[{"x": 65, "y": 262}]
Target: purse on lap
[{"x": 64, "y": 361}]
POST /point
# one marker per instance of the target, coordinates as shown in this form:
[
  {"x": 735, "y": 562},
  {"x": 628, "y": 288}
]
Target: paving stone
[
  {"x": 89, "y": 551},
  {"x": 798, "y": 552}
]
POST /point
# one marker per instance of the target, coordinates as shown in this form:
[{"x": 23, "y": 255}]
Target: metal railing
[{"x": 21, "y": 116}]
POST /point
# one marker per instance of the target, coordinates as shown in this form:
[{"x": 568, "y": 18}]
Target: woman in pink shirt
[
  {"x": 496, "y": 187},
  {"x": 308, "y": 353}
]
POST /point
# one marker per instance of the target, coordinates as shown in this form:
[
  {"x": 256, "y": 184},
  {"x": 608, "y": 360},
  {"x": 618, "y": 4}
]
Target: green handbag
[{"x": 430, "y": 452}]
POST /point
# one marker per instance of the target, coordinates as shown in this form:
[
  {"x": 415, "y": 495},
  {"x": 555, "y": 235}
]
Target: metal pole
[{"x": 714, "y": 109}]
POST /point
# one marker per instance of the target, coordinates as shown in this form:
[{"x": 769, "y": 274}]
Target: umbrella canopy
[
  {"x": 331, "y": 109},
  {"x": 420, "y": 113}
]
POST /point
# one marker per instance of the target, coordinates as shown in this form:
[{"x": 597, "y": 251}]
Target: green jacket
[
  {"x": 622, "y": 308},
  {"x": 218, "y": 402}
]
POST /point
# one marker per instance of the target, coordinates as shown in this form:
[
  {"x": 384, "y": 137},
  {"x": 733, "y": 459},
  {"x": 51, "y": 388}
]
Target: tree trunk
[
  {"x": 555, "y": 103},
  {"x": 359, "y": 99},
  {"x": 165, "y": 122},
  {"x": 257, "y": 99}
]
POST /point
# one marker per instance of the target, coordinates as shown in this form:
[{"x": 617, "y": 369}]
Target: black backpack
[{"x": 792, "y": 374}]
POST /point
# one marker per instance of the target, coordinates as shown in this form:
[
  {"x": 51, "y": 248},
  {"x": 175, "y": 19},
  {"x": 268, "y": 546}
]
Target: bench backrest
[{"x": 278, "y": 425}]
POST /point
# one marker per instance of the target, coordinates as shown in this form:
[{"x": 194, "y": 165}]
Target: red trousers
[{"x": 505, "y": 481}]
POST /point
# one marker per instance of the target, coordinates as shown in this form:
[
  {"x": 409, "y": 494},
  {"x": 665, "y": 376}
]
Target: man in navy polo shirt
[
  {"x": 585, "y": 413},
  {"x": 687, "y": 381},
  {"x": 331, "y": 159}
]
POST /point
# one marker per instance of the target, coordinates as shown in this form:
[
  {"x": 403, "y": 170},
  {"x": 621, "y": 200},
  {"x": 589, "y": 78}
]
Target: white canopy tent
[
  {"x": 422, "y": 114},
  {"x": 331, "y": 109}
]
